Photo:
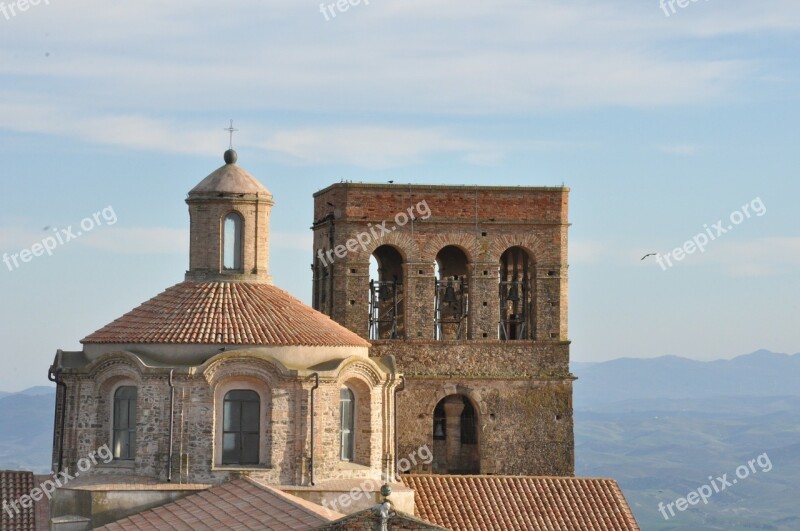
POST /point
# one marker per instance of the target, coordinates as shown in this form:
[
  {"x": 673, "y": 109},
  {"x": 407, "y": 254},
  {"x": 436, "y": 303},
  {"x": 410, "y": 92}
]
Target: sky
[{"x": 662, "y": 122}]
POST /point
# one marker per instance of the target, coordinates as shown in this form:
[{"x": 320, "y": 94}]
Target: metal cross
[{"x": 231, "y": 130}]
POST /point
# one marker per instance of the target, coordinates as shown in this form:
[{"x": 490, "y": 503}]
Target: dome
[
  {"x": 229, "y": 179},
  {"x": 226, "y": 313}
]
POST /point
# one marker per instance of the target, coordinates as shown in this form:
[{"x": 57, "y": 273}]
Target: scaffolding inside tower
[{"x": 384, "y": 301}]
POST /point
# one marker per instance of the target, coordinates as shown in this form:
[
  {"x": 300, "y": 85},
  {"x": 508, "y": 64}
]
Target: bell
[
  {"x": 513, "y": 293},
  {"x": 450, "y": 294},
  {"x": 384, "y": 293},
  {"x": 439, "y": 431}
]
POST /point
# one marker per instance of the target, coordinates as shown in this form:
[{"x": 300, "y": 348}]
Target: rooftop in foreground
[{"x": 518, "y": 502}]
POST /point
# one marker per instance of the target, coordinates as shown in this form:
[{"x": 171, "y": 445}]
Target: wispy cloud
[
  {"x": 127, "y": 130},
  {"x": 760, "y": 257},
  {"x": 466, "y": 57},
  {"x": 369, "y": 147},
  {"x": 753, "y": 258}
]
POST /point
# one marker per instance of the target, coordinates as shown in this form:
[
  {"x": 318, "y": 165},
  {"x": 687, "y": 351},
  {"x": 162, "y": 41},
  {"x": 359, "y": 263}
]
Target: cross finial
[{"x": 231, "y": 130}]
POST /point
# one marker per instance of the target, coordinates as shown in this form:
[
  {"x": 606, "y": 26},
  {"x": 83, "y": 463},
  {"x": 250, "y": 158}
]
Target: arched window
[
  {"x": 456, "y": 448},
  {"x": 241, "y": 418},
  {"x": 232, "y": 242},
  {"x": 451, "y": 305},
  {"x": 517, "y": 300},
  {"x": 125, "y": 423},
  {"x": 386, "y": 300},
  {"x": 347, "y": 403}
]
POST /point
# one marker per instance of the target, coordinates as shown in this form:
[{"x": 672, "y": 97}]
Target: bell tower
[
  {"x": 229, "y": 214},
  {"x": 467, "y": 287}
]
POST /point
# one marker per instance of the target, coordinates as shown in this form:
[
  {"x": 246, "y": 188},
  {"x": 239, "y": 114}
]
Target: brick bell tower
[{"x": 467, "y": 288}]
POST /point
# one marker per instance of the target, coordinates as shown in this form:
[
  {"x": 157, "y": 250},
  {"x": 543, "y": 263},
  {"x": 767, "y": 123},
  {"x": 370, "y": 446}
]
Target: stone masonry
[{"x": 520, "y": 387}]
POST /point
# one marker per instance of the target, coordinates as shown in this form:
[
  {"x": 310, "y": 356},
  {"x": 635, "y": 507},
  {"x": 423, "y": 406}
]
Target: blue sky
[{"x": 659, "y": 125}]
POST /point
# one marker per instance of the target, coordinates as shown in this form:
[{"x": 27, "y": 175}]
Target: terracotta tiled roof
[
  {"x": 516, "y": 502},
  {"x": 14, "y": 517},
  {"x": 239, "y": 504},
  {"x": 371, "y": 518},
  {"x": 226, "y": 313}
]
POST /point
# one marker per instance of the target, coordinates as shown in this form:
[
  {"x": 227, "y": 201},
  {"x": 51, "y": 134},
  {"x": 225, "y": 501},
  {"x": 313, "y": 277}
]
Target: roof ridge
[{"x": 300, "y": 502}]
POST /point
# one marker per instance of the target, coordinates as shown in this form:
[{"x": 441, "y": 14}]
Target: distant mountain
[
  {"x": 26, "y": 429},
  {"x": 37, "y": 390},
  {"x": 662, "y": 426},
  {"x": 762, "y": 373}
]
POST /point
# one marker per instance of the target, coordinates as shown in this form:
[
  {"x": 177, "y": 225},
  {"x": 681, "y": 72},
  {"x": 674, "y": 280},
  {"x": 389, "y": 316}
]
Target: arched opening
[
  {"x": 517, "y": 289},
  {"x": 451, "y": 304},
  {"x": 386, "y": 294},
  {"x": 455, "y": 436},
  {"x": 232, "y": 242}
]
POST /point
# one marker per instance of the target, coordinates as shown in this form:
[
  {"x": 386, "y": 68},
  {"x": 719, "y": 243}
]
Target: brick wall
[
  {"x": 532, "y": 218},
  {"x": 522, "y": 389},
  {"x": 206, "y": 223}
]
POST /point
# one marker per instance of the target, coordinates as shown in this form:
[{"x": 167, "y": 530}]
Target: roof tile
[
  {"x": 519, "y": 502},
  {"x": 226, "y": 313},
  {"x": 239, "y": 504},
  {"x": 14, "y": 517}
]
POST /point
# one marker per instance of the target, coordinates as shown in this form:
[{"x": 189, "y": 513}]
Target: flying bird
[{"x": 645, "y": 256}]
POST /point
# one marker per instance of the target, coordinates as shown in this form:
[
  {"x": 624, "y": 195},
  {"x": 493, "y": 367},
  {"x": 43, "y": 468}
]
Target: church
[{"x": 427, "y": 388}]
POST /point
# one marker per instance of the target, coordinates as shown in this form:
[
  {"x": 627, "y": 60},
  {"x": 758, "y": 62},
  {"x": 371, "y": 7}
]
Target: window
[
  {"x": 347, "y": 408},
  {"x": 240, "y": 428},
  {"x": 125, "y": 423},
  {"x": 232, "y": 242}
]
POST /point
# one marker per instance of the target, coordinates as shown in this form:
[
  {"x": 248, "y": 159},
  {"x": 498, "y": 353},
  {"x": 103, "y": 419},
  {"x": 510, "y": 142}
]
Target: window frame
[
  {"x": 238, "y": 244},
  {"x": 130, "y": 428},
  {"x": 350, "y": 430},
  {"x": 264, "y": 392},
  {"x": 241, "y": 434}
]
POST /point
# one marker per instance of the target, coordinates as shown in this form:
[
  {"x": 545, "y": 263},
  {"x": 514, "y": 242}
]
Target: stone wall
[
  {"x": 285, "y": 422},
  {"x": 525, "y": 427}
]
